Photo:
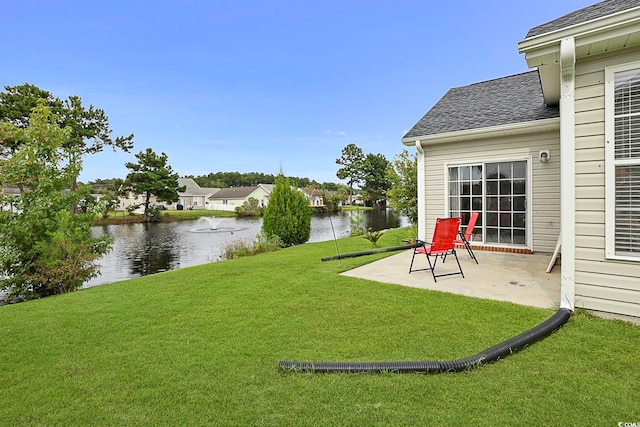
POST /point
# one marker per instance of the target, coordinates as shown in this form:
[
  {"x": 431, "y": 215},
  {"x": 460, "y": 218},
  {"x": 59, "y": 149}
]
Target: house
[
  {"x": 227, "y": 199},
  {"x": 9, "y": 194},
  {"x": 314, "y": 196},
  {"x": 127, "y": 201},
  {"x": 194, "y": 196},
  {"x": 550, "y": 158},
  {"x": 130, "y": 199},
  {"x": 355, "y": 200}
]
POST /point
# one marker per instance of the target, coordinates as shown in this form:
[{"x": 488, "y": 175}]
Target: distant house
[
  {"x": 125, "y": 202},
  {"x": 130, "y": 199},
  {"x": 549, "y": 157},
  {"x": 194, "y": 196},
  {"x": 227, "y": 199},
  {"x": 314, "y": 196},
  {"x": 355, "y": 200},
  {"x": 14, "y": 192}
]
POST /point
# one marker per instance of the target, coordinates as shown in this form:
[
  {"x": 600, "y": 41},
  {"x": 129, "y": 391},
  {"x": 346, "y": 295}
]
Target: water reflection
[
  {"x": 153, "y": 250},
  {"x": 142, "y": 249}
]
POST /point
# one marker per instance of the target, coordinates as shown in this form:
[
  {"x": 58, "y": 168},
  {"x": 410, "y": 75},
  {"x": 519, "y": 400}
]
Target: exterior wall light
[{"x": 544, "y": 156}]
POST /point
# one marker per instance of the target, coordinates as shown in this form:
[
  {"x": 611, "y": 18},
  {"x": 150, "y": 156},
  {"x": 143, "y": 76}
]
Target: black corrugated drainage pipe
[
  {"x": 487, "y": 356},
  {"x": 372, "y": 251}
]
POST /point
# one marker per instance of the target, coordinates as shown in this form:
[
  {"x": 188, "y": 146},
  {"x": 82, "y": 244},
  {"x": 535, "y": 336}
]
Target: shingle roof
[
  {"x": 233, "y": 192},
  {"x": 507, "y": 100},
  {"x": 14, "y": 191},
  {"x": 193, "y": 189},
  {"x": 589, "y": 13}
]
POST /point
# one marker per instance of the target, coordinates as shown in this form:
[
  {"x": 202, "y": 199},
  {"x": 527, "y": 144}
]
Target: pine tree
[
  {"x": 152, "y": 176},
  {"x": 288, "y": 214}
]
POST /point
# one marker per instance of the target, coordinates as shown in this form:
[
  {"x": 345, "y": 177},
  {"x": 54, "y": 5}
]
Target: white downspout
[
  {"x": 567, "y": 172},
  {"x": 422, "y": 201}
]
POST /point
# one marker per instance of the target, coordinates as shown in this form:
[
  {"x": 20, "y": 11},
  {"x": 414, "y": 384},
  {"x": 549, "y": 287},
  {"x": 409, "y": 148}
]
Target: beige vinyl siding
[
  {"x": 601, "y": 284},
  {"x": 545, "y": 182}
]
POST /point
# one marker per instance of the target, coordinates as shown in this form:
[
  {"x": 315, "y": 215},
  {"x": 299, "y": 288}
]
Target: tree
[
  {"x": 329, "y": 186},
  {"x": 250, "y": 207},
  {"x": 343, "y": 193},
  {"x": 108, "y": 202},
  {"x": 313, "y": 190},
  {"x": 403, "y": 194},
  {"x": 152, "y": 176},
  {"x": 352, "y": 159},
  {"x": 84, "y": 124},
  {"x": 376, "y": 179},
  {"x": 46, "y": 248},
  {"x": 288, "y": 214},
  {"x": 111, "y": 184},
  {"x": 249, "y": 179}
]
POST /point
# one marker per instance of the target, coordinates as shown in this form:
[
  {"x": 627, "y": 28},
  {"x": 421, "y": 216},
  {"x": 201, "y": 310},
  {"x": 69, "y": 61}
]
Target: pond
[{"x": 142, "y": 249}]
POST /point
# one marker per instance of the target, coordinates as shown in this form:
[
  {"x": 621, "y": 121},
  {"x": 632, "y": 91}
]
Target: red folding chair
[
  {"x": 442, "y": 245},
  {"x": 468, "y": 233}
]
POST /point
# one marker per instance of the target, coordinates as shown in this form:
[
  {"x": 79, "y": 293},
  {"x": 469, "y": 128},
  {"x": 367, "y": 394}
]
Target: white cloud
[{"x": 330, "y": 132}]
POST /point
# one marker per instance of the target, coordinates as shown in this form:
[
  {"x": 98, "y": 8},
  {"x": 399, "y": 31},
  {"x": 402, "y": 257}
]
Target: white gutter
[
  {"x": 422, "y": 199},
  {"x": 567, "y": 172}
]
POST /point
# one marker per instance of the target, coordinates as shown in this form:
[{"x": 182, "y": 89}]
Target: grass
[
  {"x": 194, "y": 214},
  {"x": 356, "y": 208},
  {"x": 122, "y": 217},
  {"x": 200, "y": 346}
]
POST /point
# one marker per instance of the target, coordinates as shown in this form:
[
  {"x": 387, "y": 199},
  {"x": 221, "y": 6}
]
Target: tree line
[
  {"x": 225, "y": 180},
  {"x": 250, "y": 179}
]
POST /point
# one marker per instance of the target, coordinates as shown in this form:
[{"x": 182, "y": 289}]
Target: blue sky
[{"x": 253, "y": 86}]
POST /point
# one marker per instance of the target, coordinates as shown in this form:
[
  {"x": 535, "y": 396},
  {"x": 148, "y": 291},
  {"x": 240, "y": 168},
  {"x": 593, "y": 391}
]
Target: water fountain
[{"x": 207, "y": 224}]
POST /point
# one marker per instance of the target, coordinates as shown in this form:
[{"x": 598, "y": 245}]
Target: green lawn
[
  {"x": 187, "y": 214},
  {"x": 122, "y": 217},
  {"x": 200, "y": 346}
]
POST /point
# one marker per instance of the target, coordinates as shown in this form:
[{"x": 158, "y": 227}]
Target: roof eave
[
  {"x": 606, "y": 34},
  {"x": 615, "y": 25},
  {"x": 535, "y": 126}
]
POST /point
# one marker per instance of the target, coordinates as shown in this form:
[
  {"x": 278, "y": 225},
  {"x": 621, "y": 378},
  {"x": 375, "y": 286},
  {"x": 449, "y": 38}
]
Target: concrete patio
[{"x": 521, "y": 279}]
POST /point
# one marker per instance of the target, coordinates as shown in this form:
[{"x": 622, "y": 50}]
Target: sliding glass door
[{"x": 496, "y": 190}]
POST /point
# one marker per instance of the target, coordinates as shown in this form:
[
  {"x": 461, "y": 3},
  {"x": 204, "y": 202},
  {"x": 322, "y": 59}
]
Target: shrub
[
  {"x": 356, "y": 219},
  {"x": 288, "y": 214},
  {"x": 132, "y": 208},
  {"x": 373, "y": 236},
  {"x": 241, "y": 248},
  {"x": 250, "y": 207}
]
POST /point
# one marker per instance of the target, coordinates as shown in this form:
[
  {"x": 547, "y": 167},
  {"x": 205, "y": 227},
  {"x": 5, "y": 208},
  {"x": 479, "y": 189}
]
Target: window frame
[
  {"x": 528, "y": 195},
  {"x": 611, "y": 162}
]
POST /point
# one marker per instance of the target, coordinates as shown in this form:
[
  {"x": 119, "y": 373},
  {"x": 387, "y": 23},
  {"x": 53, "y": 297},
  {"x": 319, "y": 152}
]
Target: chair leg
[
  {"x": 433, "y": 266},
  {"x": 460, "y": 267},
  {"x": 467, "y": 245},
  {"x": 412, "y": 258}
]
